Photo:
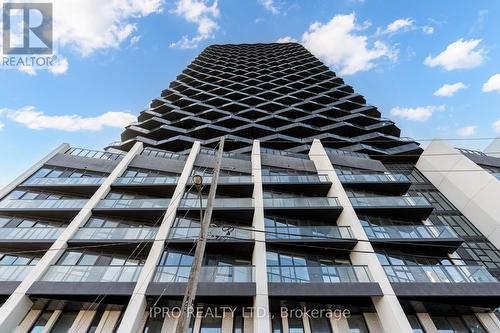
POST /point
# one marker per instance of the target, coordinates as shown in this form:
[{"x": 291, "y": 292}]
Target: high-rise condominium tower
[{"x": 320, "y": 207}]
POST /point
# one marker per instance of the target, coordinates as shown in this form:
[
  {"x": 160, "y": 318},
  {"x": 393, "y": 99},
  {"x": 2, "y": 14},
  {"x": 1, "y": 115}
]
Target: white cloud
[
  {"x": 403, "y": 24},
  {"x": 271, "y": 6},
  {"x": 200, "y": 13},
  {"x": 467, "y": 130},
  {"x": 60, "y": 67},
  {"x": 286, "y": 39},
  {"x": 2, "y": 125},
  {"x": 91, "y": 25},
  {"x": 493, "y": 84},
  {"x": 461, "y": 54},
  {"x": 421, "y": 113},
  {"x": 496, "y": 125},
  {"x": 448, "y": 90},
  {"x": 338, "y": 44},
  {"x": 428, "y": 30},
  {"x": 34, "y": 119}
]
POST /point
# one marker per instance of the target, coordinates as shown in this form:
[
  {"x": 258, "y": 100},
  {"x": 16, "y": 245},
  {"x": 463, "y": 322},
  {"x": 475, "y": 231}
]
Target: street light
[{"x": 197, "y": 181}]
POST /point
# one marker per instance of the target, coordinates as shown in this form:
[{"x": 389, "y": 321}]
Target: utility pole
[{"x": 192, "y": 286}]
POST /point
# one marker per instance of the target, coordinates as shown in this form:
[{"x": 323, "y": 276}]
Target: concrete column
[
  {"x": 427, "y": 323},
  {"x": 306, "y": 324},
  {"x": 137, "y": 303},
  {"x": 82, "y": 322},
  {"x": 227, "y": 322},
  {"x": 284, "y": 323},
  {"x": 261, "y": 318},
  {"x": 247, "y": 324},
  {"x": 25, "y": 175},
  {"x": 18, "y": 304},
  {"x": 470, "y": 188},
  {"x": 197, "y": 324},
  {"x": 28, "y": 321},
  {"x": 373, "y": 322},
  {"x": 389, "y": 310},
  {"x": 490, "y": 321},
  {"x": 108, "y": 321},
  {"x": 169, "y": 324},
  {"x": 339, "y": 325},
  {"x": 52, "y": 321}
]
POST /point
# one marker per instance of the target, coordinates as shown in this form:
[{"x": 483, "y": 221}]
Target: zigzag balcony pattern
[{"x": 278, "y": 93}]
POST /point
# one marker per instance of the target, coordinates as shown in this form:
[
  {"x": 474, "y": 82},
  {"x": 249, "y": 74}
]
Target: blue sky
[{"x": 117, "y": 56}]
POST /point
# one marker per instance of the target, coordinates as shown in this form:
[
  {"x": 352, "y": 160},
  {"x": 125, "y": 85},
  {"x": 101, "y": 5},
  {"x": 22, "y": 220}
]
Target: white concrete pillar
[
  {"x": 426, "y": 322},
  {"x": 284, "y": 324},
  {"x": 137, "y": 303},
  {"x": 52, "y": 321},
  {"x": 82, "y": 322},
  {"x": 261, "y": 318},
  {"x": 108, "y": 321},
  {"x": 490, "y": 321},
  {"x": 389, "y": 310},
  {"x": 247, "y": 323},
  {"x": 169, "y": 324},
  {"x": 28, "y": 321},
  {"x": 18, "y": 304},
  {"x": 339, "y": 325},
  {"x": 306, "y": 324},
  {"x": 227, "y": 322},
  {"x": 470, "y": 188},
  {"x": 197, "y": 324},
  {"x": 372, "y": 322}
]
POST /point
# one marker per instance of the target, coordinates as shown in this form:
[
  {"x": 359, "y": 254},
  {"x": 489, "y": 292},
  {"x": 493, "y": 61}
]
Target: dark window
[
  {"x": 64, "y": 322},
  {"x": 41, "y": 322}
]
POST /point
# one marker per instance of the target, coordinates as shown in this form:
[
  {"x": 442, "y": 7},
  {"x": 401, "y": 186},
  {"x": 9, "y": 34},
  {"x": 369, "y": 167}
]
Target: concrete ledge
[
  {"x": 81, "y": 288},
  {"x": 240, "y": 289},
  {"x": 8, "y": 287},
  {"x": 325, "y": 289},
  {"x": 487, "y": 289}
]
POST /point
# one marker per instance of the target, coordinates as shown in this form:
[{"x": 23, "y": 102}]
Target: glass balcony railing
[
  {"x": 44, "y": 204},
  {"x": 306, "y": 202},
  {"x": 381, "y": 202},
  {"x": 115, "y": 233},
  {"x": 167, "y": 180},
  {"x": 14, "y": 273},
  {"x": 439, "y": 274},
  {"x": 218, "y": 203},
  {"x": 410, "y": 232},
  {"x": 219, "y": 233},
  {"x": 296, "y": 179},
  {"x": 92, "y": 274},
  {"x": 30, "y": 233},
  {"x": 309, "y": 232},
  {"x": 318, "y": 274},
  {"x": 207, "y": 274},
  {"x": 66, "y": 181},
  {"x": 374, "y": 178},
  {"x": 227, "y": 180},
  {"x": 133, "y": 203}
]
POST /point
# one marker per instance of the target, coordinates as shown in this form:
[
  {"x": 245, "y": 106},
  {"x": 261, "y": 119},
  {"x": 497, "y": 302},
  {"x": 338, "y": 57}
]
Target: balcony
[
  {"x": 29, "y": 235},
  {"x": 114, "y": 234},
  {"x": 146, "y": 208},
  {"x": 218, "y": 236},
  {"x": 312, "y": 235},
  {"x": 319, "y": 184},
  {"x": 153, "y": 185},
  {"x": 239, "y": 185},
  {"x": 86, "y": 280},
  {"x": 242, "y": 208},
  {"x": 321, "y": 281},
  {"x": 417, "y": 235},
  {"x": 64, "y": 208},
  {"x": 14, "y": 273},
  {"x": 214, "y": 281},
  {"x": 325, "y": 207},
  {"x": 393, "y": 183},
  {"x": 457, "y": 285},
  {"x": 417, "y": 206},
  {"x": 83, "y": 185}
]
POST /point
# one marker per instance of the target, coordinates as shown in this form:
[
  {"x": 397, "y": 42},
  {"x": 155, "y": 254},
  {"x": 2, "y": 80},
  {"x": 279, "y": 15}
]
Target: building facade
[{"x": 321, "y": 208}]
